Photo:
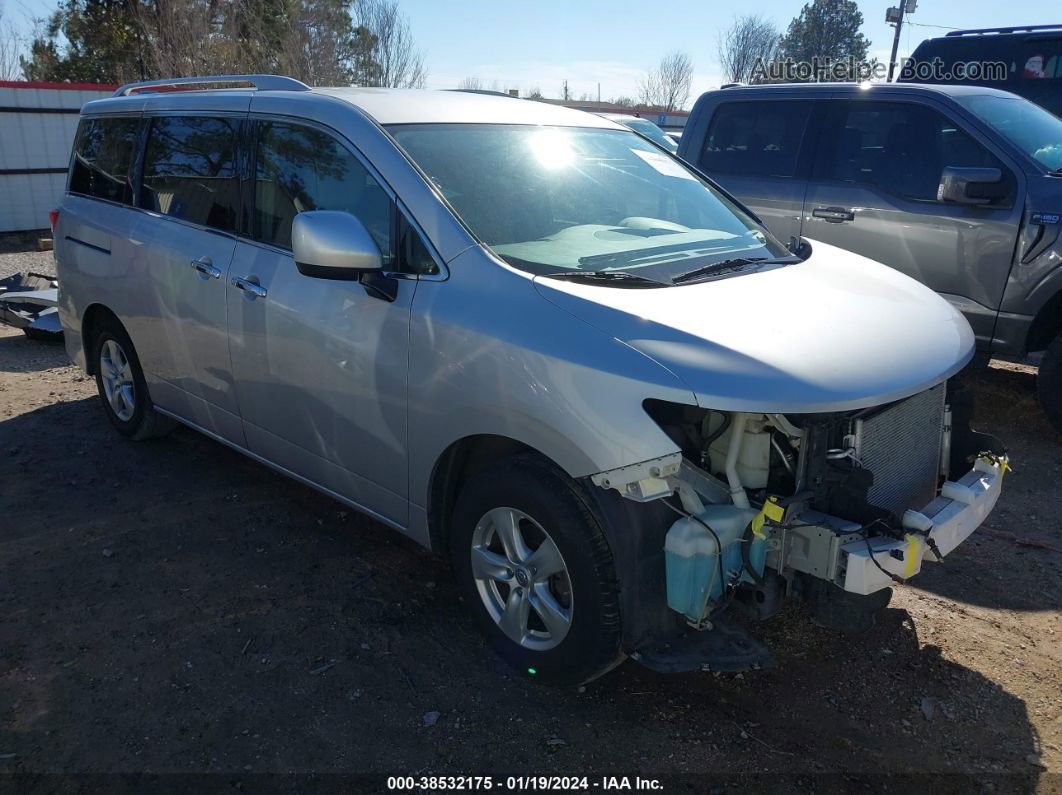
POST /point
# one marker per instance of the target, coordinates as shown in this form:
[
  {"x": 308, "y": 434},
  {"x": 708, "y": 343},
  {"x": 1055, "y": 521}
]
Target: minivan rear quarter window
[
  {"x": 104, "y": 154},
  {"x": 190, "y": 170},
  {"x": 757, "y": 139}
]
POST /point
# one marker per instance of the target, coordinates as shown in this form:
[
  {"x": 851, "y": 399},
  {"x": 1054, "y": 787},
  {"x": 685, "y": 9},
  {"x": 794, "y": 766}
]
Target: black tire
[
  {"x": 531, "y": 485},
  {"x": 1049, "y": 383},
  {"x": 145, "y": 422}
]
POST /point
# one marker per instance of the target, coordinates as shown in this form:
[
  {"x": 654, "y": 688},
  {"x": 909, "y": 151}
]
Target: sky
[{"x": 613, "y": 43}]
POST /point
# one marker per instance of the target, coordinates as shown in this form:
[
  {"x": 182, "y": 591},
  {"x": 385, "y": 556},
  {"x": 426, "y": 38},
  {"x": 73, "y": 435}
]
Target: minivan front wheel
[
  {"x": 1049, "y": 383},
  {"x": 534, "y": 567},
  {"x": 122, "y": 388}
]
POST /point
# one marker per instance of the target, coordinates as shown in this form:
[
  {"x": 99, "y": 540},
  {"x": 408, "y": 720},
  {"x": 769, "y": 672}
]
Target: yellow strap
[
  {"x": 757, "y": 525},
  {"x": 773, "y": 511},
  {"x": 770, "y": 510},
  {"x": 911, "y": 556},
  {"x": 1000, "y": 461}
]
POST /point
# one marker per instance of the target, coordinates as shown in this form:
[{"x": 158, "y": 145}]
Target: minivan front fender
[{"x": 490, "y": 357}]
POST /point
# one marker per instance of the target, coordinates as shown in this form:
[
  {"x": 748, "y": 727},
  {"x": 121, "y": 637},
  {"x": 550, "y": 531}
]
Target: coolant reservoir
[
  {"x": 691, "y": 557},
  {"x": 754, "y": 462}
]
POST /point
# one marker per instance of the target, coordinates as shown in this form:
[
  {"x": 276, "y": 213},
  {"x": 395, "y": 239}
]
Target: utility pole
[
  {"x": 894, "y": 16},
  {"x": 598, "y": 92},
  {"x": 566, "y": 96}
]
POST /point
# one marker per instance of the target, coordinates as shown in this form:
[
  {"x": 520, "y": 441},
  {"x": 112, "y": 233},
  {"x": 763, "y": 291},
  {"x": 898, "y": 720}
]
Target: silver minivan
[{"x": 531, "y": 340}]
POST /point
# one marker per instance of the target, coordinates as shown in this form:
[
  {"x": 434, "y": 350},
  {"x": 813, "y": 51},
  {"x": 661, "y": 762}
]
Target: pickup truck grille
[{"x": 900, "y": 444}]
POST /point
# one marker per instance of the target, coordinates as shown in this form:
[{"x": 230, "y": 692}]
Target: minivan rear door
[
  {"x": 753, "y": 149},
  {"x": 190, "y": 194},
  {"x": 874, "y": 191}
]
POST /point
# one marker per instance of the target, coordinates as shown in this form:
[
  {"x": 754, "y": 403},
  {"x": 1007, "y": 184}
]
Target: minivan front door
[
  {"x": 185, "y": 237},
  {"x": 752, "y": 149},
  {"x": 874, "y": 192},
  {"x": 320, "y": 365}
]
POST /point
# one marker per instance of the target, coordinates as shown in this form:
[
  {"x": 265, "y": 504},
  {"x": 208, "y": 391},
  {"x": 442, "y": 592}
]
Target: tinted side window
[
  {"x": 760, "y": 139},
  {"x": 1038, "y": 59},
  {"x": 190, "y": 170},
  {"x": 299, "y": 169},
  {"x": 104, "y": 153},
  {"x": 414, "y": 256},
  {"x": 901, "y": 148}
]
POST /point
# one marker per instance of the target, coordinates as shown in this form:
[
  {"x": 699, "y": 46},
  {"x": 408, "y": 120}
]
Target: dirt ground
[{"x": 172, "y": 608}]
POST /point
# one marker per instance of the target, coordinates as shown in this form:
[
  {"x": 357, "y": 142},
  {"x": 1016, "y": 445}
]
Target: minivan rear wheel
[
  {"x": 533, "y": 565},
  {"x": 121, "y": 385},
  {"x": 1049, "y": 383}
]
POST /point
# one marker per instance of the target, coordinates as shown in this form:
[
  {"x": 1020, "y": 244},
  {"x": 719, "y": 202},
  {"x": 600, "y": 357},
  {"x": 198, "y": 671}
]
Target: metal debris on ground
[{"x": 29, "y": 301}]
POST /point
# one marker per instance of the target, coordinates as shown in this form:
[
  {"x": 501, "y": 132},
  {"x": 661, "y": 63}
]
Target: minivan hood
[{"x": 835, "y": 332}]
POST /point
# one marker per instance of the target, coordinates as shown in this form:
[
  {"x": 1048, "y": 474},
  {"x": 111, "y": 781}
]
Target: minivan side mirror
[
  {"x": 971, "y": 185},
  {"x": 328, "y": 244}
]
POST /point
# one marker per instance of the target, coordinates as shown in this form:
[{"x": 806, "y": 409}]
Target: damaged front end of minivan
[{"x": 832, "y": 508}]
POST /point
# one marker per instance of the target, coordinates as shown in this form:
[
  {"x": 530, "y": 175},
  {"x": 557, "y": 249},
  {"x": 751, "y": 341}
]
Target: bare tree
[
  {"x": 667, "y": 87},
  {"x": 747, "y": 41},
  {"x": 11, "y": 46},
  {"x": 315, "y": 42},
  {"x": 399, "y": 62},
  {"x": 534, "y": 93},
  {"x": 470, "y": 84}
]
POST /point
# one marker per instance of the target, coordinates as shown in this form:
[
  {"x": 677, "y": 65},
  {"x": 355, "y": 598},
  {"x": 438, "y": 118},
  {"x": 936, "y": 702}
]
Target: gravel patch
[{"x": 20, "y": 261}]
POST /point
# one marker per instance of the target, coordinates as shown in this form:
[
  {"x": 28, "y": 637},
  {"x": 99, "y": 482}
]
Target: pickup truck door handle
[
  {"x": 205, "y": 266},
  {"x": 833, "y": 215},
  {"x": 252, "y": 289}
]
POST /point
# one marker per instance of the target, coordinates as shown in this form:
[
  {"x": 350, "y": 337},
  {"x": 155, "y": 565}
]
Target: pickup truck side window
[
  {"x": 300, "y": 168},
  {"x": 190, "y": 170},
  {"x": 104, "y": 153},
  {"x": 901, "y": 148},
  {"x": 755, "y": 139}
]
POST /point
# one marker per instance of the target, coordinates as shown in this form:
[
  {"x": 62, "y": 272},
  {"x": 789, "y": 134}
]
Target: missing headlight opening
[{"x": 832, "y": 508}]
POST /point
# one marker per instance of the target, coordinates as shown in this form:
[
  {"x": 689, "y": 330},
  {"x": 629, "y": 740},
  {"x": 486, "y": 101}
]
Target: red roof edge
[{"x": 59, "y": 86}]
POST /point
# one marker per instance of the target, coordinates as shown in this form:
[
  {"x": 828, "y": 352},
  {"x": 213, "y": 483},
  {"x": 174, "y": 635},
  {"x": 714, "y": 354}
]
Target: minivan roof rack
[
  {"x": 260, "y": 82},
  {"x": 1020, "y": 29}
]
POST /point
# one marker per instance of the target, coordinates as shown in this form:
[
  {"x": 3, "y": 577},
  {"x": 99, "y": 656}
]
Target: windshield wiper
[
  {"x": 734, "y": 264},
  {"x": 627, "y": 279}
]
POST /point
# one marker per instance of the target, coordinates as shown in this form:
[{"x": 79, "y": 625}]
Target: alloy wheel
[
  {"x": 117, "y": 377},
  {"x": 522, "y": 579}
]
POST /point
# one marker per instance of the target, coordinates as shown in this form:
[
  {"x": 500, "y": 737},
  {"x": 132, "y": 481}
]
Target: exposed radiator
[{"x": 901, "y": 446}]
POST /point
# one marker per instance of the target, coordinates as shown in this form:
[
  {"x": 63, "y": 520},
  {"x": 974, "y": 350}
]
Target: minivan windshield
[
  {"x": 561, "y": 199},
  {"x": 1035, "y": 131}
]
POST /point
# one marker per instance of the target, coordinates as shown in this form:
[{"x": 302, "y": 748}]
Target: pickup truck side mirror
[
  {"x": 799, "y": 247},
  {"x": 328, "y": 244},
  {"x": 971, "y": 185}
]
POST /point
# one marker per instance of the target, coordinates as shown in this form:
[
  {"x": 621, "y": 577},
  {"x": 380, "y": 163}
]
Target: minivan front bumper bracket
[{"x": 949, "y": 519}]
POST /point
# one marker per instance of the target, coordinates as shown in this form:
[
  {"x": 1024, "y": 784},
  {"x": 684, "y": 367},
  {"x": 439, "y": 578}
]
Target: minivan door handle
[
  {"x": 205, "y": 267},
  {"x": 833, "y": 215},
  {"x": 252, "y": 289}
]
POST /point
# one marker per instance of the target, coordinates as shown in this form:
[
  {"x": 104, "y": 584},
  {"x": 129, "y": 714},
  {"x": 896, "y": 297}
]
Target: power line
[{"x": 925, "y": 25}]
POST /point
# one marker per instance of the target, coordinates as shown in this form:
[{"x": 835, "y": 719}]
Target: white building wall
[{"x": 37, "y": 126}]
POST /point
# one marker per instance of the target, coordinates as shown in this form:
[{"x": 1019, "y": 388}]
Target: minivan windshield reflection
[
  {"x": 1031, "y": 128},
  {"x": 564, "y": 200}
]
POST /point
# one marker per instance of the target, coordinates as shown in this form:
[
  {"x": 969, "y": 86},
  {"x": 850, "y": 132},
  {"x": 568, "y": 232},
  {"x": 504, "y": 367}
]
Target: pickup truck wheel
[
  {"x": 122, "y": 388},
  {"x": 533, "y": 565},
  {"x": 1049, "y": 383}
]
